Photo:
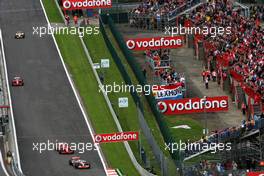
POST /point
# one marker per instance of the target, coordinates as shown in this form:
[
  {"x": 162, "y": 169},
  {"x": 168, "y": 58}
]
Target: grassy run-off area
[
  {"x": 94, "y": 102},
  {"x": 128, "y": 117}
]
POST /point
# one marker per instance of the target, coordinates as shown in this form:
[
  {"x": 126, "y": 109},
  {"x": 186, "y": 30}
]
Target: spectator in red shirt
[
  {"x": 75, "y": 19},
  {"x": 204, "y": 75}
]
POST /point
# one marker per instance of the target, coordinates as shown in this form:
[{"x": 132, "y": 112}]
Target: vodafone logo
[
  {"x": 130, "y": 44},
  {"x": 66, "y": 4},
  {"x": 193, "y": 105},
  {"x": 86, "y": 4},
  {"x": 154, "y": 43},
  {"x": 162, "y": 106},
  {"x": 98, "y": 138},
  {"x": 116, "y": 137}
]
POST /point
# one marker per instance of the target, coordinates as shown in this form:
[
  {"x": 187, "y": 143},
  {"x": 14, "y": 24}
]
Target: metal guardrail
[
  {"x": 15, "y": 169},
  {"x": 13, "y": 139},
  {"x": 244, "y": 7},
  {"x": 139, "y": 168},
  {"x": 184, "y": 9}
]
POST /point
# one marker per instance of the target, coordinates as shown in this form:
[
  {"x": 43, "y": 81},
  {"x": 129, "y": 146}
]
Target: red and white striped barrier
[{"x": 111, "y": 172}]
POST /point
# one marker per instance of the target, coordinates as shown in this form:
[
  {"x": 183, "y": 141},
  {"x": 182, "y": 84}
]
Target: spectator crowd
[
  {"x": 243, "y": 49},
  {"x": 154, "y": 11}
]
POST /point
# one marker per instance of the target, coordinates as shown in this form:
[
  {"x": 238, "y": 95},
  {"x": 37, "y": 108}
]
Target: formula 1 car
[
  {"x": 77, "y": 163},
  {"x": 19, "y": 35},
  {"x": 17, "y": 81},
  {"x": 64, "y": 149}
]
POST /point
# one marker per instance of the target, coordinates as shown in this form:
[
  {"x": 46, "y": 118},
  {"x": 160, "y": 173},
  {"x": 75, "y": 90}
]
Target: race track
[{"x": 45, "y": 108}]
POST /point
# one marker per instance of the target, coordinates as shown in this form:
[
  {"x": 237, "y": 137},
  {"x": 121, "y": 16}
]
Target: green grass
[
  {"x": 192, "y": 134},
  {"x": 148, "y": 114},
  {"x": 127, "y": 116},
  {"x": 149, "y": 117},
  {"x": 52, "y": 11},
  {"x": 94, "y": 102},
  {"x": 98, "y": 51}
]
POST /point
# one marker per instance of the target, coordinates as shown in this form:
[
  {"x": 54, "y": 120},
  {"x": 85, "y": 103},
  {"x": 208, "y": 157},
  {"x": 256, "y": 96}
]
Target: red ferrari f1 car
[{"x": 17, "y": 81}]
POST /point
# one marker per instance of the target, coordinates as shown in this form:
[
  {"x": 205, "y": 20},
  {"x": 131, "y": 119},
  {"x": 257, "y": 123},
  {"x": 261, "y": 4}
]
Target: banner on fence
[
  {"x": 86, "y": 4},
  {"x": 168, "y": 92},
  {"x": 193, "y": 105},
  {"x": 116, "y": 137},
  {"x": 154, "y": 43}
]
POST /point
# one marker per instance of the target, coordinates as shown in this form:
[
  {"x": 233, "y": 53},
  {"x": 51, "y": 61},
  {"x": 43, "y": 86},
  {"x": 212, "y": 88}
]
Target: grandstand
[{"x": 238, "y": 60}]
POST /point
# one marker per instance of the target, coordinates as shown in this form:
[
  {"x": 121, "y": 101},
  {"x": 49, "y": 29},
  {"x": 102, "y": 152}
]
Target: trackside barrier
[
  {"x": 143, "y": 124},
  {"x": 139, "y": 168},
  {"x": 150, "y": 98},
  {"x": 166, "y": 165},
  {"x": 12, "y": 138},
  {"x": 15, "y": 169}
]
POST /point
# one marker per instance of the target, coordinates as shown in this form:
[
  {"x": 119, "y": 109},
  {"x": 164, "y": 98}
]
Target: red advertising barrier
[
  {"x": 255, "y": 173},
  {"x": 193, "y": 105},
  {"x": 86, "y": 4},
  {"x": 236, "y": 76},
  {"x": 155, "y": 43},
  {"x": 163, "y": 87},
  {"x": 116, "y": 137},
  {"x": 247, "y": 89}
]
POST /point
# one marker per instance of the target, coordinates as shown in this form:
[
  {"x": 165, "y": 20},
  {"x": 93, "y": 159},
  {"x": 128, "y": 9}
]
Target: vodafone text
[
  {"x": 154, "y": 43},
  {"x": 116, "y": 137},
  {"x": 183, "y": 146},
  {"x": 193, "y": 105},
  {"x": 86, "y": 4}
]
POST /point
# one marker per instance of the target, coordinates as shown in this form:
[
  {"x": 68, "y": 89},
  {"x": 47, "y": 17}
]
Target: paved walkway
[{"x": 184, "y": 62}]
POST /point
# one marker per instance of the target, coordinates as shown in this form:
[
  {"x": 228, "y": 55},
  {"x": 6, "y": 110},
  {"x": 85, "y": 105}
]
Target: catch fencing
[{"x": 167, "y": 165}]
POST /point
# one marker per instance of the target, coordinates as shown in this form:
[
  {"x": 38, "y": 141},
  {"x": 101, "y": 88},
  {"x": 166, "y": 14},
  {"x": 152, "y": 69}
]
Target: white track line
[
  {"x": 10, "y": 104},
  {"x": 74, "y": 90}
]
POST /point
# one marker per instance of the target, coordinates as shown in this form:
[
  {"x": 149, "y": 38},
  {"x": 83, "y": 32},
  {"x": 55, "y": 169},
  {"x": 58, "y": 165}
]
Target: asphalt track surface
[{"x": 45, "y": 108}]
